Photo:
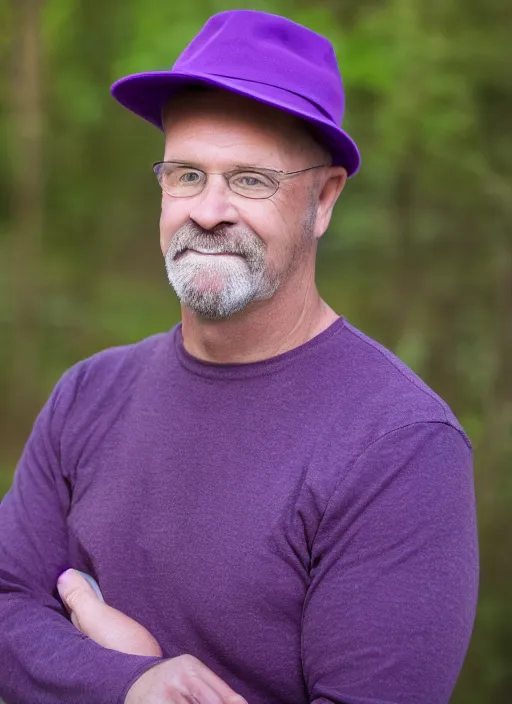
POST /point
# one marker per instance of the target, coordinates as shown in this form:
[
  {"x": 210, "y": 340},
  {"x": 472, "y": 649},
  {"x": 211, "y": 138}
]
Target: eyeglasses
[{"x": 181, "y": 181}]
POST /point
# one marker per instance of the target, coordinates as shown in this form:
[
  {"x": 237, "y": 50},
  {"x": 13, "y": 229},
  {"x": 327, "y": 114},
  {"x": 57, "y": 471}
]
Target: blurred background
[{"x": 419, "y": 254}]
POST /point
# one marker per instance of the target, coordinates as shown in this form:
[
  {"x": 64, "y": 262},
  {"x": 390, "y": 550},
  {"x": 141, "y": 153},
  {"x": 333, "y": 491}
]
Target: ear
[{"x": 331, "y": 187}]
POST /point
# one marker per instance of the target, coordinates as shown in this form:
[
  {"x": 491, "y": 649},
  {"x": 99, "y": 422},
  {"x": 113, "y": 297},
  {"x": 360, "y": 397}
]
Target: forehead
[{"x": 224, "y": 127}]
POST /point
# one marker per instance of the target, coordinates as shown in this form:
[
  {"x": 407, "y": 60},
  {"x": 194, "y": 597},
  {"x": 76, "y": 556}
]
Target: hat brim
[{"x": 145, "y": 94}]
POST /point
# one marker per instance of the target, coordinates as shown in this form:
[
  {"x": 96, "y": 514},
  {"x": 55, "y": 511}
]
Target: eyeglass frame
[{"x": 271, "y": 173}]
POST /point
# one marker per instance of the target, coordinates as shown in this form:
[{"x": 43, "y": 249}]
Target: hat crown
[
  {"x": 263, "y": 57},
  {"x": 269, "y": 49}
]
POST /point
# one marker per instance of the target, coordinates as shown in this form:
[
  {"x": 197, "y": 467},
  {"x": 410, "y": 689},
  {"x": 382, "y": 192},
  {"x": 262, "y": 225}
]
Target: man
[{"x": 276, "y": 509}]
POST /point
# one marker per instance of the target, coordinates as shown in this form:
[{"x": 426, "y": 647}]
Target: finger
[
  {"x": 221, "y": 689},
  {"x": 77, "y": 595},
  {"x": 93, "y": 583},
  {"x": 102, "y": 623},
  {"x": 201, "y": 693}
]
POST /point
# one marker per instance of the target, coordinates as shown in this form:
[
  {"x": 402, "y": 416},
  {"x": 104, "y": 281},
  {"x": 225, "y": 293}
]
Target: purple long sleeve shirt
[{"x": 304, "y": 525}]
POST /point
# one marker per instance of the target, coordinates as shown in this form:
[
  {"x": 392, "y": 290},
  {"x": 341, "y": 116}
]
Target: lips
[{"x": 207, "y": 253}]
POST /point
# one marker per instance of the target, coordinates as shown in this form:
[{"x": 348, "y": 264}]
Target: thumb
[
  {"x": 78, "y": 596},
  {"x": 102, "y": 623}
]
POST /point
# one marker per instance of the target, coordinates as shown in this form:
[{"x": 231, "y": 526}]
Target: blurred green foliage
[{"x": 419, "y": 253}]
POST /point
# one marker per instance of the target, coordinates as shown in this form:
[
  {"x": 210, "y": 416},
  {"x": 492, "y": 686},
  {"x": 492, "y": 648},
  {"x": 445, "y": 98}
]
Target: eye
[
  {"x": 189, "y": 177},
  {"x": 250, "y": 181}
]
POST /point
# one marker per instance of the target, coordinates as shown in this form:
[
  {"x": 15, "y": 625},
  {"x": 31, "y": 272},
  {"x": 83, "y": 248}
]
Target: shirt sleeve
[
  {"x": 394, "y": 574},
  {"x": 43, "y": 658}
]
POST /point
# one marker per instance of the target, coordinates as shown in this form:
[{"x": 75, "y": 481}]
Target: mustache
[{"x": 229, "y": 240}]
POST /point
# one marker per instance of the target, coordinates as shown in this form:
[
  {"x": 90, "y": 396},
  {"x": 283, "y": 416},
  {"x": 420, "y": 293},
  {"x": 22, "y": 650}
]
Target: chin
[{"x": 212, "y": 305}]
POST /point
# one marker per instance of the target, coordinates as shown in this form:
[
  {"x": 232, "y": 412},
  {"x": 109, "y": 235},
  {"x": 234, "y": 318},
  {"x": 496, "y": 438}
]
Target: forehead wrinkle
[
  {"x": 217, "y": 154},
  {"x": 283, "y": 134}
]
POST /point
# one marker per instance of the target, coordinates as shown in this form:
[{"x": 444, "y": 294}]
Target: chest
[{"x": 204, "y": 537}]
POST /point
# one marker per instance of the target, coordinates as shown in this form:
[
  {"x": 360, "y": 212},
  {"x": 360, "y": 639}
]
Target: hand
[
  {"x": 181, "y": 680},
  {"x": 102, "y": 623}
]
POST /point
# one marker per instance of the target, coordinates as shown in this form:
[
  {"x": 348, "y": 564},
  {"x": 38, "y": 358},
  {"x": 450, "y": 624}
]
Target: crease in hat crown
[{"x": 261, "y": 56}]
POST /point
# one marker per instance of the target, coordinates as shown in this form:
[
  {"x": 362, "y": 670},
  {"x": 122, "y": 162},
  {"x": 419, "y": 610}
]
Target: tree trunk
[{"x": 27, "y": 208}]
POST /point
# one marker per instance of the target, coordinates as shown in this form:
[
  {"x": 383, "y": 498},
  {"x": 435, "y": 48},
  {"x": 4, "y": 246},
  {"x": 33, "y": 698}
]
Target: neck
[{"x": 262, "y": 330}]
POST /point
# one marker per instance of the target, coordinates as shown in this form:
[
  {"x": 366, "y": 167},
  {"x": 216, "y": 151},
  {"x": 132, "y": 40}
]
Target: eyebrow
[
  {"x": 236, "y": 167},
  {"x": 258, "y": 168}
]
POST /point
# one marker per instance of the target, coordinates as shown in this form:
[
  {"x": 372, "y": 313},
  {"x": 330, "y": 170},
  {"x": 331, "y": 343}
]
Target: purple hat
[{"x": 261, "y": 56}]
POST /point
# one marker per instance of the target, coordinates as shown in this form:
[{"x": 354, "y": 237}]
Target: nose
[{"x": 213, "y": 206}]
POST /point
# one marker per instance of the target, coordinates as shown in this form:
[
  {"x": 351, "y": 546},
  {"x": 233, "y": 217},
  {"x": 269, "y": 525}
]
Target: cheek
[
  {"x": 172, "y": 217},
  {"x": 267, "y": 226},
  {"x": 283, "y": 228}
]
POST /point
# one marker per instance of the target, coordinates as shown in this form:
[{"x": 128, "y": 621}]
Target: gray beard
[{"x": 216, "y": 287}]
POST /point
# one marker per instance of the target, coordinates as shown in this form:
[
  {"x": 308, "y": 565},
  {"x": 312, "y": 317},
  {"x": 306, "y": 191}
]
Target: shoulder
[
  {"x": 102, "y": 382},
  {"x": 384, "y": 393},
  {"x": 118, "y": 365}
]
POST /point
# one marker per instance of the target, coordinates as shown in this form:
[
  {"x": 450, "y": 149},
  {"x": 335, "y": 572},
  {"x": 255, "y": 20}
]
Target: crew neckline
[{"x": 243, "y": 370}]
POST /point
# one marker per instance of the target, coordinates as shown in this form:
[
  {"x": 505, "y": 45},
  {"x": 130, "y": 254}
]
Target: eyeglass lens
[{"x": 182, "y": 181}]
